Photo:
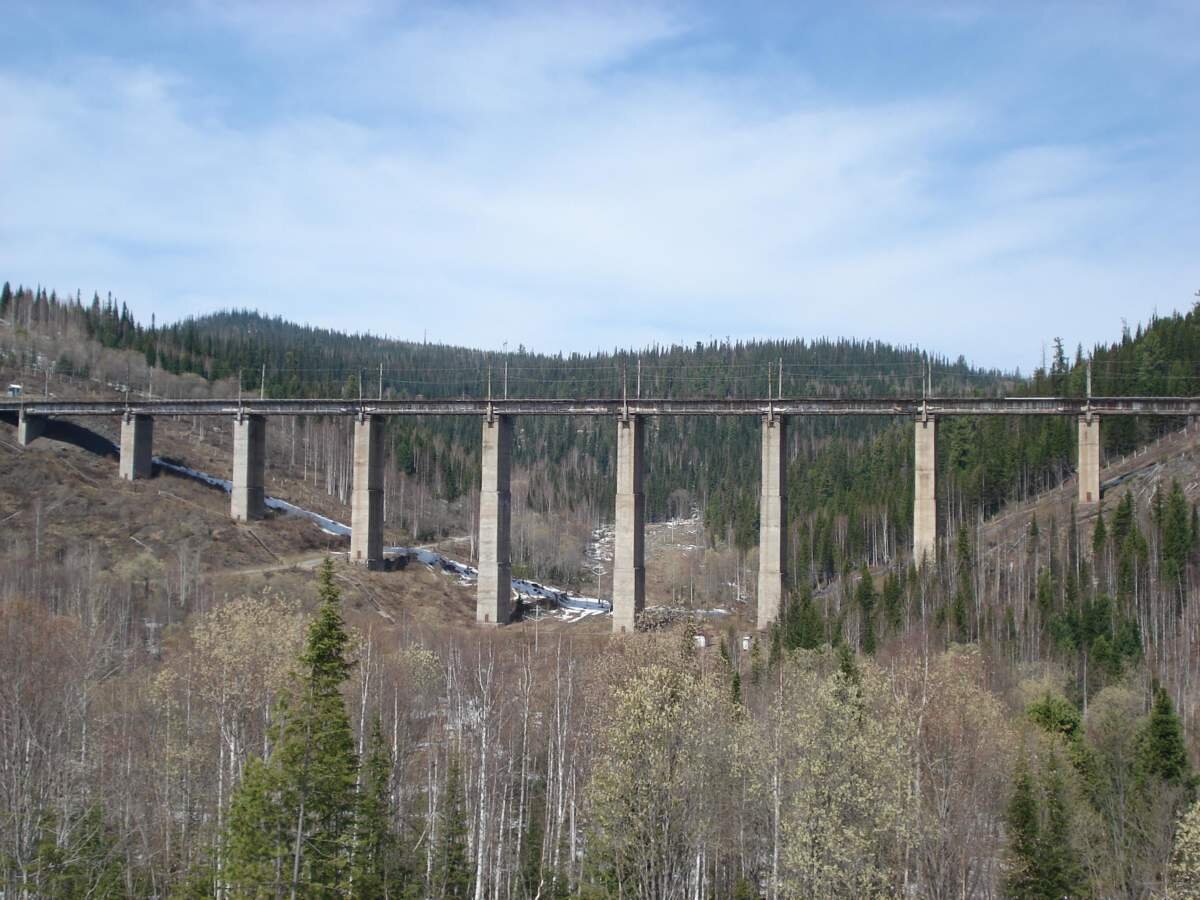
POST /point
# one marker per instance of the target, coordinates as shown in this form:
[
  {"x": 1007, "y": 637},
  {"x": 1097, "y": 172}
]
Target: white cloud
[{"x": 530, "y": 180}]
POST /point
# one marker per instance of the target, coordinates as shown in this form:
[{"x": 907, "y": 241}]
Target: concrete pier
[
  {"x": 493, "y": 598},
  {"x": 29, "y": 428},
  {"x": 249, "y": 492},
  {"x": 366, "y": 502},
  {"x": 629, "y": 564},
  {"x": 1089, "y": 460},
  {"x": 137, "y": 444},
  {"x": 772, "y": 521},
  {"x": 925, "y": 494}
]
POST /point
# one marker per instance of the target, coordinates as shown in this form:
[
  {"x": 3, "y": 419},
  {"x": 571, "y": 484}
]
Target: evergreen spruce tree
[
  {"x": 1022, "y": 821},
  {"x": 1042, "y": 861},
  {"x": 851, "y": 688},
  {"x": 83, "y": 862},
  {"x": 531, "y": 875},
  {"x": 373, "y": 862},
  {"x": 756, "y": 663},
  {"x": 48, "y": 862},
  {"x": 1176, "y": 537},
  {"x": 893, "y": 600},
  {"x": 866, "y": 607},
  {"x": 451, "y": 867},
  {"x": 1099, "y": 537},
  {"x": 292, "y": 818},
  {"x": 964, "y": 592},
  {"x": 1060, "y": 872},
  {"x": 805, "y": 626},
  {"x": 1123, "y": 520},
  {"x": 256, "y": 843},
  {"x": 1163, "y": 751},
  {"x": 317, "y": 751}
]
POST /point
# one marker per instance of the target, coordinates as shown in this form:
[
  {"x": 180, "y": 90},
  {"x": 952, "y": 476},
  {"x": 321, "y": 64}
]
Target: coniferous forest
[{"x": 1018, "y": 719}]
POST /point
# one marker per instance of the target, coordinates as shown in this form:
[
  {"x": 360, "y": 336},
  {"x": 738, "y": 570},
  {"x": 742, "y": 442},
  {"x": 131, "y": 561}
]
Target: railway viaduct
[{"x": 494, "y": 591}]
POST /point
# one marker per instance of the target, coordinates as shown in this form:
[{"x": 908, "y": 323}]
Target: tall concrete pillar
[
  {"x": 29, "y": 428},
  {"x": 772, "y": 520},
  {"x": 366, "y": 501},
  {"x": 629, "y": 562},
  {"x": 249, "y": 492},
  {"x": 137, "y": 443},
  {"x": 1089, "y": 459},
  {"x": 493, "y": 598},
  {"x": 925, "y": 495}
]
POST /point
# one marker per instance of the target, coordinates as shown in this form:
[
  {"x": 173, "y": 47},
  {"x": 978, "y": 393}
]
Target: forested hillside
[
  {"x": 851, "y": 484},
  {"x": 1019, "y": 719}
]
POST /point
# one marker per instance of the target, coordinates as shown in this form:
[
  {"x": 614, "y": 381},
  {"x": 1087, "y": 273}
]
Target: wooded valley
[{"x": 1019, "y": 719}]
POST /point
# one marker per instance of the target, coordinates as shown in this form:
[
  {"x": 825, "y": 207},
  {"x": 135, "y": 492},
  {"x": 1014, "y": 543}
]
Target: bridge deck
[{"x": 796, "y": 406}]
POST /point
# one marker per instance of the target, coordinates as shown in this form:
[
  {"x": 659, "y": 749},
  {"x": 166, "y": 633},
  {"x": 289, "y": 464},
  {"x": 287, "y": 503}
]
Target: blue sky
[{"x": 975, "y": 178}]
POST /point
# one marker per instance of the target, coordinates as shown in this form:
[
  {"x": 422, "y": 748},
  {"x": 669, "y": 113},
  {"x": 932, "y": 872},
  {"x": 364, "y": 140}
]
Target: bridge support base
[
  {"x": 29, "y": 428},
  {"x": 925, "y": 494},
  {"x": 366, "y": 501},
  {"x": 772, "y": 521},
  {"x": 249, "y": 493},
  {"x": 629, "y": 564},
  {"x": 493, "y": 598},
  {"x": 137, "y": 444},
  {"x": 1089, "y": 460}
]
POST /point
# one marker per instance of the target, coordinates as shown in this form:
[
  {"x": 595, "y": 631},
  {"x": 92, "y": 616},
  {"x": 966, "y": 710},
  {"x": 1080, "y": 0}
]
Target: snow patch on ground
[{"x": 572, "y": 607}]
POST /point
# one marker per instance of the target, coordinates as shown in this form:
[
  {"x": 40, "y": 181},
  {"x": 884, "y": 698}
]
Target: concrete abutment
[{"x": 29, "y": 428}]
